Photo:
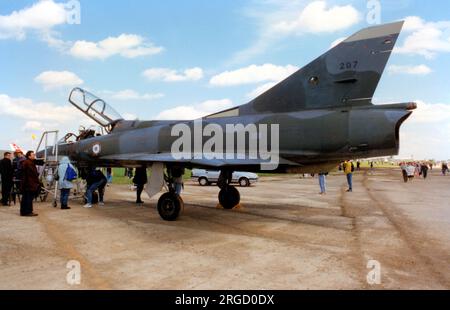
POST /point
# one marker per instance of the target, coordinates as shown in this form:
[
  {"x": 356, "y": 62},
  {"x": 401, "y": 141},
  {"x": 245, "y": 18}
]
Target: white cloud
[
  {"x": 260, "y": 90},
  {"x": 24, "y": 108},
  {"x": 205, "y": 108},
  {"x": 129, "y": 94},
  {"x": 430, "y": 113},
  {"x": 130, "y": 117},
  {"x": 427, "y": 38},
  {"x": 212, "y": 106},
  {"x": 413, "y": 23},
  {"x": 316, "y": 17},
  {"x": 253, "y": 74},
  {"x": 42, "y": 16},
  {"x": 278, "y": 20},
  {"x": 125, "y": 45},
  {"x": 412, "y": 70},
  {"x": 425, "y": 135},
  {"x": 33, "y": 126},
  {"x": 58, "y": 79},
  {"x": 170, "y": 75}
]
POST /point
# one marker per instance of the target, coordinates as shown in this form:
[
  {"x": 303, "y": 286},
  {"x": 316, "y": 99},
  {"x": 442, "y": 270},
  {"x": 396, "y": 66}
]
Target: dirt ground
[{"x": 285, "y": 236}]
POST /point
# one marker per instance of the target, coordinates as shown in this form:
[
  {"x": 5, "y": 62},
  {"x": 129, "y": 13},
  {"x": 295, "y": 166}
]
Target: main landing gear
[
  {"x": 229, "y": 196},
  {"x": 170, "y": 204}
]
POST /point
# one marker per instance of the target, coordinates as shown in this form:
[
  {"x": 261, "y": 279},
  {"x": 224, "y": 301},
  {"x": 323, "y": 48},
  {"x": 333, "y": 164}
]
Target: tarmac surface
[{"x": 285, "y": 236}]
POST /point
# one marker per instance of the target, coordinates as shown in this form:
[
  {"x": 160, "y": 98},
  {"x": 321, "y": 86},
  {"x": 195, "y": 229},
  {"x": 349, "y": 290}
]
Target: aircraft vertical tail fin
[{"x": 346, "y": 75}]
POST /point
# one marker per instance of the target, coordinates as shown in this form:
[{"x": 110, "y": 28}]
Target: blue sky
[{"x": 182, "y": 59}]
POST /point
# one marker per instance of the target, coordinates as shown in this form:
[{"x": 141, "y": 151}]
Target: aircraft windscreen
[{"x": 94, "y": 107}]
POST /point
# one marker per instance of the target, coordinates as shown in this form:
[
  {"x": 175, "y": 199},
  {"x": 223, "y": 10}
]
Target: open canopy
[{"x": 94, "y": 107}]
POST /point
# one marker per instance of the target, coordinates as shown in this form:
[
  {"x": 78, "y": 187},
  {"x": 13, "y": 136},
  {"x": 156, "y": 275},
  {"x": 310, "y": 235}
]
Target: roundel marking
[{"x": 96, "y": 149}]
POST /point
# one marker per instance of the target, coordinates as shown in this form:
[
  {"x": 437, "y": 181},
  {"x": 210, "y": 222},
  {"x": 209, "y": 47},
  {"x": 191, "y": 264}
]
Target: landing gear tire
[
  {"x": 229, "y": 197},
  {"x": 170, "y": 206}
]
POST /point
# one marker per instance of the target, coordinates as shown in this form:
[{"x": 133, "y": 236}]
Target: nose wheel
[{"x": 170, "y": 206}]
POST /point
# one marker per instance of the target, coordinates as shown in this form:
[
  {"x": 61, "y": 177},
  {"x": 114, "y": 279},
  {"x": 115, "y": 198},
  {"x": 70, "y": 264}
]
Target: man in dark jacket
[
  {"x": 140, "y": 179},
  {"x": 95, "y": 180},
  {"x": 7, "y": 173},
  {"x": 30, "y": 185}
]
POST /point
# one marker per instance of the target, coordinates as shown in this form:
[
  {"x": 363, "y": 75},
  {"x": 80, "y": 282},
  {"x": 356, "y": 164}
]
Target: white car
[{"x": 207, "y": 177}]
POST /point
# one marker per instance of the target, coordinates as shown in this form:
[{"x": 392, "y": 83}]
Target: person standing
[
  {"x": 109, "y": 176},
  {"x": 348, "y": 170},
  {"x": 30, "y": 184},
  {"x": 403, "y": 167},
  {"x": 323, "y": 183},
  {"x": 140, "y": 179},
  {"x": 177, "y": 174},
  {"x": 64, "y": 184},
  {"x": 19, "y": 158},
  {"x": 7, "y": 174},
  {"x": 410, "y": 170},
  {"x": 444, "y": 169},
  {"x": 424, "y": 170}
]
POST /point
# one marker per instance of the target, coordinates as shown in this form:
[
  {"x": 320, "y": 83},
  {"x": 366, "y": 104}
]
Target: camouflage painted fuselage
[{"x": 324, "y": 112}]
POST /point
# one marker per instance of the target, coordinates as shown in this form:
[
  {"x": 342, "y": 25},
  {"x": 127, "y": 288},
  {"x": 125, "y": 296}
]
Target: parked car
[{"x": 208, "y": 177}]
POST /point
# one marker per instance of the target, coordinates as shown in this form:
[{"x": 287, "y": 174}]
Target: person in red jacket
[{"x": 30, "y": 185}]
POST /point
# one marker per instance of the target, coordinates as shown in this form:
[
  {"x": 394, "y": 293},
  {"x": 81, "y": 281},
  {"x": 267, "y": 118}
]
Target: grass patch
[{"x": 120, "y": 178}]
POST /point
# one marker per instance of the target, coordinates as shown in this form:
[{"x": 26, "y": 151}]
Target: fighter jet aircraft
[{"x": 319, "y": 116}]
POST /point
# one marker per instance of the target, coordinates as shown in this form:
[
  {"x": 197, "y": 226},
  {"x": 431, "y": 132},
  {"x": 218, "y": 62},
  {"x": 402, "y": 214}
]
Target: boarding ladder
[{"x": 48, "y": 151}]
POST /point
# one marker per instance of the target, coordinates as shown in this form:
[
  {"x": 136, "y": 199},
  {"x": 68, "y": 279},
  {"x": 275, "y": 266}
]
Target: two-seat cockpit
[
  {"x": 95, "y": 108},
  {"x": 83, "y": 134}
]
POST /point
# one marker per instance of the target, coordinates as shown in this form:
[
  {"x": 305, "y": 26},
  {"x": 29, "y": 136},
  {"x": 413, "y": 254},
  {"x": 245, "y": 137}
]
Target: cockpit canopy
[{"x": 95, "y": 108}]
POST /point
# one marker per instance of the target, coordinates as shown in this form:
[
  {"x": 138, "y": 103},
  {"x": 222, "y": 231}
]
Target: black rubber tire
[
  {"x": 203, "y": 181},
  {"x": 229, "y": 197},
  {"x": 170, "y": 206},
  {"x": 244, "y": 182}
]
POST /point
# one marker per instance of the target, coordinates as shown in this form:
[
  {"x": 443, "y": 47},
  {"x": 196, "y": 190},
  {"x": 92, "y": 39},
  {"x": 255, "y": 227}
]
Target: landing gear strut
[
  {"x": 170, "y": 204},
  {"x": 229, "y": 196}
]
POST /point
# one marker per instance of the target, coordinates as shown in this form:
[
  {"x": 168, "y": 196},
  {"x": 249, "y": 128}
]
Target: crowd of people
[
  {"x": 410, "y": 170},
  {"x": 20, "y": 176}
]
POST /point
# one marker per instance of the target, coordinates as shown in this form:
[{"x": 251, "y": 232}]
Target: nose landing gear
[{"x": 170, "y": 204}]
